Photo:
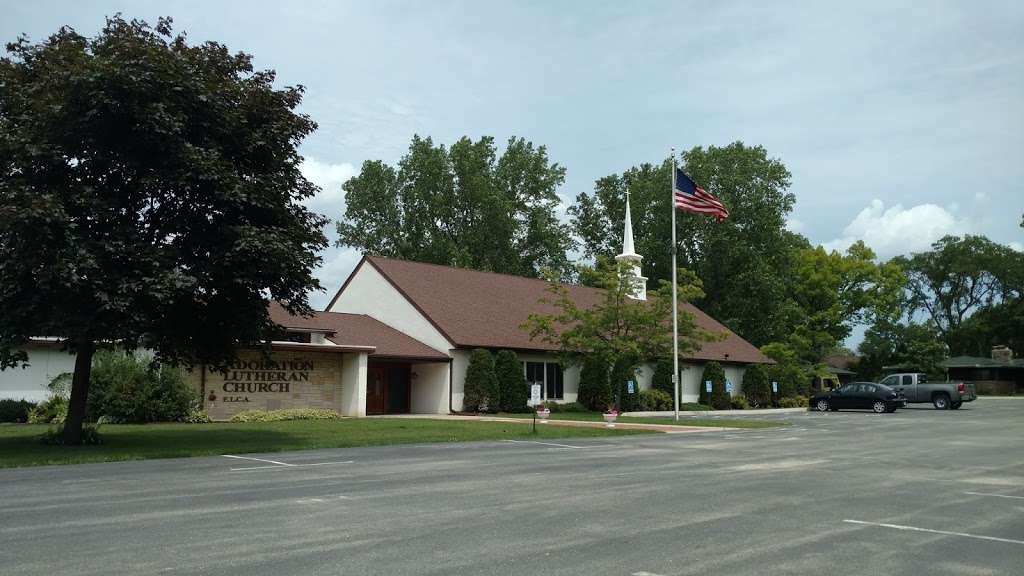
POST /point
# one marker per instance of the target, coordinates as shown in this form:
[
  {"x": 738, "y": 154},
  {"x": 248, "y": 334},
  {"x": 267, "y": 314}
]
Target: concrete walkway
[
  {"x": 668, "y": 428},
  {"x": 706, "y": 413}
]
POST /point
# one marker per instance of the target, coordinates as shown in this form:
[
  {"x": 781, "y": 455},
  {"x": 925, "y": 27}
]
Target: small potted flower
[
  {"x": 543, "y": 413},
  {"x": 609, "y": 417}
]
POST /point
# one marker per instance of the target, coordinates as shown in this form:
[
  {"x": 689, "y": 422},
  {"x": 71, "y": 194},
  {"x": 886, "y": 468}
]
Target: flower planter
[
  {"x": 609, "y": 419},
  {"x": 543, "y": 415}
]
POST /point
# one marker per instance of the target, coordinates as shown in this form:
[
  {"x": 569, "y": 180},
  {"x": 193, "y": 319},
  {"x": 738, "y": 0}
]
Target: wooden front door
[{"x": 376, "y": 388}]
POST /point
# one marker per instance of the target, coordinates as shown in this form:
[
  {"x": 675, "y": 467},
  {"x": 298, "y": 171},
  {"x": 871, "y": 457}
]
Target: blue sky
[{"x": 900, "y": 121}]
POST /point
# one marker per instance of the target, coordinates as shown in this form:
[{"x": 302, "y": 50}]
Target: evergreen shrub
[
  {"x": 662, "y": 379},
  {"x": 718, "y": 398},
  {"x": 757, "y": 390},
  {"x": 624, "y": 371},
  {"x": 513, "y": 392},
  {"x": 595, "y": 391},
  {"x": 481, "y": 388}
]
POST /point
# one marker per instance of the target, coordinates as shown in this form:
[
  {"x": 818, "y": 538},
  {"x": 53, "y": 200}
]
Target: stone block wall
[{"x": 285, "y": 380}]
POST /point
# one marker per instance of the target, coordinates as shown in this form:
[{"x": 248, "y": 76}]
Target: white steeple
[{"x": 631, "y": 258}]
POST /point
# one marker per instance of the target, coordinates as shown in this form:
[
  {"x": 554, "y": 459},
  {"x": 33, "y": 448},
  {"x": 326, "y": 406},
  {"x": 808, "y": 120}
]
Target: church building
[{"x": 396, "y": 339}]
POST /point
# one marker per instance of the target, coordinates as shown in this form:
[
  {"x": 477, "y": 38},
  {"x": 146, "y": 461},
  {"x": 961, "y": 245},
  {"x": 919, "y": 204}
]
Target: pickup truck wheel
[
  {"x": 822, "y": 405},
  {"x": 956, "y": 405},
  {"x": 879, "y": 407},
  {"x": 941, "y": 402}
]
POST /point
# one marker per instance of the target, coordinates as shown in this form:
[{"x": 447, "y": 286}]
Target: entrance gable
[{"x": 367, "y": 291}]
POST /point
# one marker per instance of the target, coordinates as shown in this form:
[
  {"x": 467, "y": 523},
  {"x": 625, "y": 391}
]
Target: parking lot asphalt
[{"x": 916, "y": 492}]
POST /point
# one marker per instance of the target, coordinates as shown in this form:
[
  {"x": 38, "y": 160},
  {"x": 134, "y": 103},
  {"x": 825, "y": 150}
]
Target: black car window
[
  {"x": 891, "y": 380},
  {"x": 908, "y": 380},
  {"x": 867, "y": 388}
]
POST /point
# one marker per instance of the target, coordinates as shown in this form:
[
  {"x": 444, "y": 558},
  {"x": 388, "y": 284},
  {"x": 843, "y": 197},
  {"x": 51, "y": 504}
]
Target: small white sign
[
  {"x": 775, "y": 387},
  {"x": 707, "y": 386},
  {"x": 631, "y": 387},
  {"x": 728, "y": 386},
  {"x": 535, "y": 395}
]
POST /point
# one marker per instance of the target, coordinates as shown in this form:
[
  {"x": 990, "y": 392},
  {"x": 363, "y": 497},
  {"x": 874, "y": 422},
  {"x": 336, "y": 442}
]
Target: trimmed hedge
[
  {"x": 655, "y": 401},
  {"x": 565, "y": 407},
  {"x": 794, "y": 402},
  {"x": 738, "y": 403},
  {"x": 285, "y": 414}
]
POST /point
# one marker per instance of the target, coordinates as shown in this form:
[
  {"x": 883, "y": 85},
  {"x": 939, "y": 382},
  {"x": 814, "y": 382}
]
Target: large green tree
[
  {"x": 912, "y": 344},
  {"x": 750, "y": 248},
  {"x": 462, "y": 206},
  {"x": 150, "y": 195},
  {"x": 829, "y": 293},
  {"x": 958, "y": 277}
]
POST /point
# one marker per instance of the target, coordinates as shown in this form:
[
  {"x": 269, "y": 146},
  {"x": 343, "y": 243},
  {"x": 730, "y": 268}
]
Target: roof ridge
[{"x": 474, "y": 270}]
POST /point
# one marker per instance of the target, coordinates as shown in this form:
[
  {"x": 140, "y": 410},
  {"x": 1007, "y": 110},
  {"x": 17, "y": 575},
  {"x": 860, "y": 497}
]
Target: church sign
[
  {"x": 253, "y": 376},
  {"x": 285, "y": 379}
]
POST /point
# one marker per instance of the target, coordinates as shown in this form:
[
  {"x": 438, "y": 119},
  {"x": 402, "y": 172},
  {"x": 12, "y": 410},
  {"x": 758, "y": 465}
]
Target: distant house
[{"x": 1000, "y": 374}]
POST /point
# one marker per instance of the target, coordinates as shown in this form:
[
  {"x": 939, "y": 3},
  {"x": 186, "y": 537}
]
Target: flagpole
[{"x": 675, "y": 306}]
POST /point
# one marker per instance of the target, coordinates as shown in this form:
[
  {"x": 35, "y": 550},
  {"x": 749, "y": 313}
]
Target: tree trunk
[{"x": 79, "y": 393}]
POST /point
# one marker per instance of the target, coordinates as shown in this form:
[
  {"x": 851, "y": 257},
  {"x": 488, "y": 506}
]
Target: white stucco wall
[
  {"x": 370, "y": 293},
  {"x": 353, "y": 389},
  {"x": 460, "y": 362},
  {"x": 30, "y": 383},
  {"x": 429, "y": 388}
]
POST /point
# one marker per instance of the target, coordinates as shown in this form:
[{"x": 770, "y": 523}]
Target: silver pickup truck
[{"x": 915, "y": 388}]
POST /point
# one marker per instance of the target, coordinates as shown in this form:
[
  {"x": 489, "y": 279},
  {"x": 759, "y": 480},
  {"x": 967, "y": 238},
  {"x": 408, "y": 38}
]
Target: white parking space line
[
  {"x": 542, "y": 443},
  {"x": 258, "y": 460},
  {"x": 645, "y": 574},
  {"x": 930, "y": 531},
  {"x": 277, "y": 465},
  {"x": 995, "y": 495}
]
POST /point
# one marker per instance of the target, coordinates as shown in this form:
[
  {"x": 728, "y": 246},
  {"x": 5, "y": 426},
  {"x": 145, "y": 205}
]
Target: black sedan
[{"x": 862, "y": 395}]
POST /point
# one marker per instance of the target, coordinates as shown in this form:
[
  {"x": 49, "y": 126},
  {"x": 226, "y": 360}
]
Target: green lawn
[
  {"x": 683, "y": 420},
  {"x": 19, "y": 444}
]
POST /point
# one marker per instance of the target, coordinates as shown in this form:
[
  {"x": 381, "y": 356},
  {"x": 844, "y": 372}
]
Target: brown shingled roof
[
  {"x": 485, "y": 309},
  {"x": 358, "y": 329}
]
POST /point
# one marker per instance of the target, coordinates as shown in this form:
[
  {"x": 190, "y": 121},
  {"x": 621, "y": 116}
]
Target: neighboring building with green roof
[{"x": 1000, "y": 374}]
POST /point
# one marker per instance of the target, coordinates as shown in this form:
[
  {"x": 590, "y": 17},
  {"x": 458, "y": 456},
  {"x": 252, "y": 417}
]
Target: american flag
[{"x": 693, "y": 198}]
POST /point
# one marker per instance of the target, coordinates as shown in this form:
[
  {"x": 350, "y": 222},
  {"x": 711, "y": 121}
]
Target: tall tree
[
  {"x": 150, "y": 195},
  {"x": 617, "y": 329},
  {"x": 750, "y": 248},
  {"x": 461, "y": 206},
  {"x": 888, "y": 343},
  {"x": 958, "y": 277},
  {"x": 830, "y": 293}
]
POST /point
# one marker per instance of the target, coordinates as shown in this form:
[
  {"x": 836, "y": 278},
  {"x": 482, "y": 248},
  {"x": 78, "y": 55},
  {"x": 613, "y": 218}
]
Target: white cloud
[
  {"x": 897, "y": 230},
  {"x": 794, "y": 225},
  {"x": 329, "y": 177},
  {"x": 1017, "y": 246}
]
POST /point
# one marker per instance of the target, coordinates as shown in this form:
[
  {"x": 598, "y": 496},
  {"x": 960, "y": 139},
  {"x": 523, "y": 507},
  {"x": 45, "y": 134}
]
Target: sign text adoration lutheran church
[{"x": 254, "y": 376}]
